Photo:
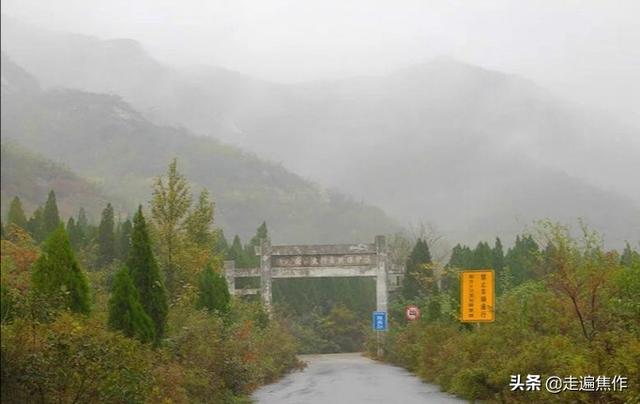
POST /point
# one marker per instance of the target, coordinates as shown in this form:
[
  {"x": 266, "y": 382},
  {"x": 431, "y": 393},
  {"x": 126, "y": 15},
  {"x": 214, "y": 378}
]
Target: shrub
[{"x": 72, "y": 359}]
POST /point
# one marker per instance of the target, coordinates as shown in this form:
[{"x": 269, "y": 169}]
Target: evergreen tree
[
  {"x": 50, "y": 215},
  {"x": 461, "y": 257},
  {"x": 482, "y": 256},
  {"x": 124, "y": 236},
  {"x": 57, "y": 276},
  {"x": 72, "y": 231},
  {"x": 213, "y": 293},
  {"x": 16, "y": 214},
  {"x": 83, "y": 222},
  {"x": 498, "y": 256},
  {"x": 222, "y": 246},
  {"x": 81, "y": 229},
  {"x": 250, "y": 249},
  {"x": 169, "y": 206},
  {"x": 419, "y": 256},
  {"x": 237, "y": 253},
  {"x": 35, "y": 226},
  {"x": 505, "y": 281},
  {"x": 498, "y": 264},
  {"x": 125, "y": 310},
  {"x": 521, "y": 259},
  {"x": 630, "y": 257},
  {"x": 146, "y": 276},
  {"x": 456, "y": 259},
  {"x": 106, "y": 238},
  {"x": 200, "y": 220}
]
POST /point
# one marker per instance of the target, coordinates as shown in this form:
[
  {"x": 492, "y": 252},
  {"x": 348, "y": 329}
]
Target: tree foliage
[
  {"x": 415, "y": 267},
  {"x": 146, "y": 275},
  {"x": 35, "y": 225},
  {"x": 220, "y": 356},
  {"x": 199, "y": 221},
  {"x": 213, "y": 293},
  {"x": 169, "y": 207},
  {"x": 124, "y": 240},
  {"x": 575, "y": 312},
  {"x": 16, "y": 214},
  {"x": 72, "y": 360},
  {"x": 106, "y": 238},
  {"x": 250, "y": 256},
  {"x": 57, "y": 276},
  {"x": 126, "y": 314},
  {"x": 50, "y": 215}
]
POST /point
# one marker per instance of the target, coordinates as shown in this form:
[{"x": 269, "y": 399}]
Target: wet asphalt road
[{"x": 350, "y": 379}]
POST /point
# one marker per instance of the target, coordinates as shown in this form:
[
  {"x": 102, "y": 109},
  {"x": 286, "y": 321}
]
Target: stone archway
[{"x": 317, "y": 261}]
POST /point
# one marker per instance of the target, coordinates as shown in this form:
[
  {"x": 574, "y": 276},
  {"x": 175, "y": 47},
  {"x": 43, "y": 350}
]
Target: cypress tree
[
  {"x": 72, "y": 231},
  {"x": 106, "y": 238},
  {"x": 462, "y": 257},
  {"x": 629, "y": 257},
  {"x": 35, "y": 225},
  {"x": 16, "y": 214},
  {"x": 213, "y": 293},
  {"x": 57, "y": 276},
  {"x": 82, "y": 221},
  {"x": 76, "y": 228},
  {"x": 222, "y": 246},
  {"x": 456, "y": 261},
  {"x": 124, "y": 241},
  {"x": 125, "y": 310},
  {"x": 237, "y": 253},
  {"x": 498, "y": 263},
  {"x": 50, "y": 215},
  {"x": 482, "y": 256},
  {"x": 420, "y": 255},
  {"x": 521, "y": 258},
  {"x": 498, "y": 255},
  {"x": 146, "y": 276},
  {"x": 250, "y": 250}
]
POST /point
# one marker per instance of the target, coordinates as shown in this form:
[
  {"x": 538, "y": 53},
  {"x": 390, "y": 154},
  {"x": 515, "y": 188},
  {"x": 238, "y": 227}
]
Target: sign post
[
  {"x": 379, "y": 324},
  {"x": 477, "y": 296}
]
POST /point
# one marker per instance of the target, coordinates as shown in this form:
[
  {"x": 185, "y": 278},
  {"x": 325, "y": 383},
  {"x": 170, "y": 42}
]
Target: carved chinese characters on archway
[{"x": 322, "y": 260}]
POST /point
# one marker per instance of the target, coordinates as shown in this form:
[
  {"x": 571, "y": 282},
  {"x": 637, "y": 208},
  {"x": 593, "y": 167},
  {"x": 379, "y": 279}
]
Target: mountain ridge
[
  {"x": 103, "y": 138},
  {"x": 423, "y": 142}
]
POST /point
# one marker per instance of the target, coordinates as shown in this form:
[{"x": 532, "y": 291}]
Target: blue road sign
[{"x": 379, "y": 320}]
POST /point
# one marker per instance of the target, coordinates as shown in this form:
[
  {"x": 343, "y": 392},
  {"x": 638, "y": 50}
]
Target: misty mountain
[
  {"x": 31, "y": 176},
  {"x": 477, "y": 152},
  {"x": 107, "y": 141}
]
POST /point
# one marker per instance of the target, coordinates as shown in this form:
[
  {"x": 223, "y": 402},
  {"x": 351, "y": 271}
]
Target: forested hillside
[
  {"x": 32, "y": 177},
  {"x": 105, "y": 140},
  {"x": 469, "y": 149}
]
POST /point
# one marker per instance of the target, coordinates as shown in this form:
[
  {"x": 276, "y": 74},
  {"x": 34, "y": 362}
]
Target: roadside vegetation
[
  {"x": 131, "y": 309},
  {"x": 566, "y": 306}
]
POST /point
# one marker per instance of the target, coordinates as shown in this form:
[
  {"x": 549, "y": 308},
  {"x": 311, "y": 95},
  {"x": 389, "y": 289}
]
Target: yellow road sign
[{"x": 477, "y": 296}]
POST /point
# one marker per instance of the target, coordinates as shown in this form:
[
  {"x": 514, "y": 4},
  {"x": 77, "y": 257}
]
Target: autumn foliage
[{"x": 577, "y": 314}]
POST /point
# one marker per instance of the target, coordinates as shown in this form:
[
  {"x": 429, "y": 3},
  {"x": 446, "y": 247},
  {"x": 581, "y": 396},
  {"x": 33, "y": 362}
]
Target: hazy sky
[{"x": 587, "y": 50}]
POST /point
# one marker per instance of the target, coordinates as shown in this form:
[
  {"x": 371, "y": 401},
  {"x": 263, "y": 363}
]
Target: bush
[
  {"x": 580, "y": 317},
  {"x": 72, "y": 359},
  {"x": 226, "y": 358}
]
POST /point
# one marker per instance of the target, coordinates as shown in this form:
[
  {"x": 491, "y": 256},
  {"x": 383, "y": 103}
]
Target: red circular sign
[{"x": 412, "y": 312}]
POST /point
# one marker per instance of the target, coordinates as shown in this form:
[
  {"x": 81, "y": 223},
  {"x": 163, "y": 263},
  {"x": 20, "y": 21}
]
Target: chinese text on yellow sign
[{"x": 477, "y": 295}]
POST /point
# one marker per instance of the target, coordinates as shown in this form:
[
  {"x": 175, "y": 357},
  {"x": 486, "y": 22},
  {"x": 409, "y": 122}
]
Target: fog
[
  {"x": 588, "y": 51},
  {"x": 474, "y": 117}
]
